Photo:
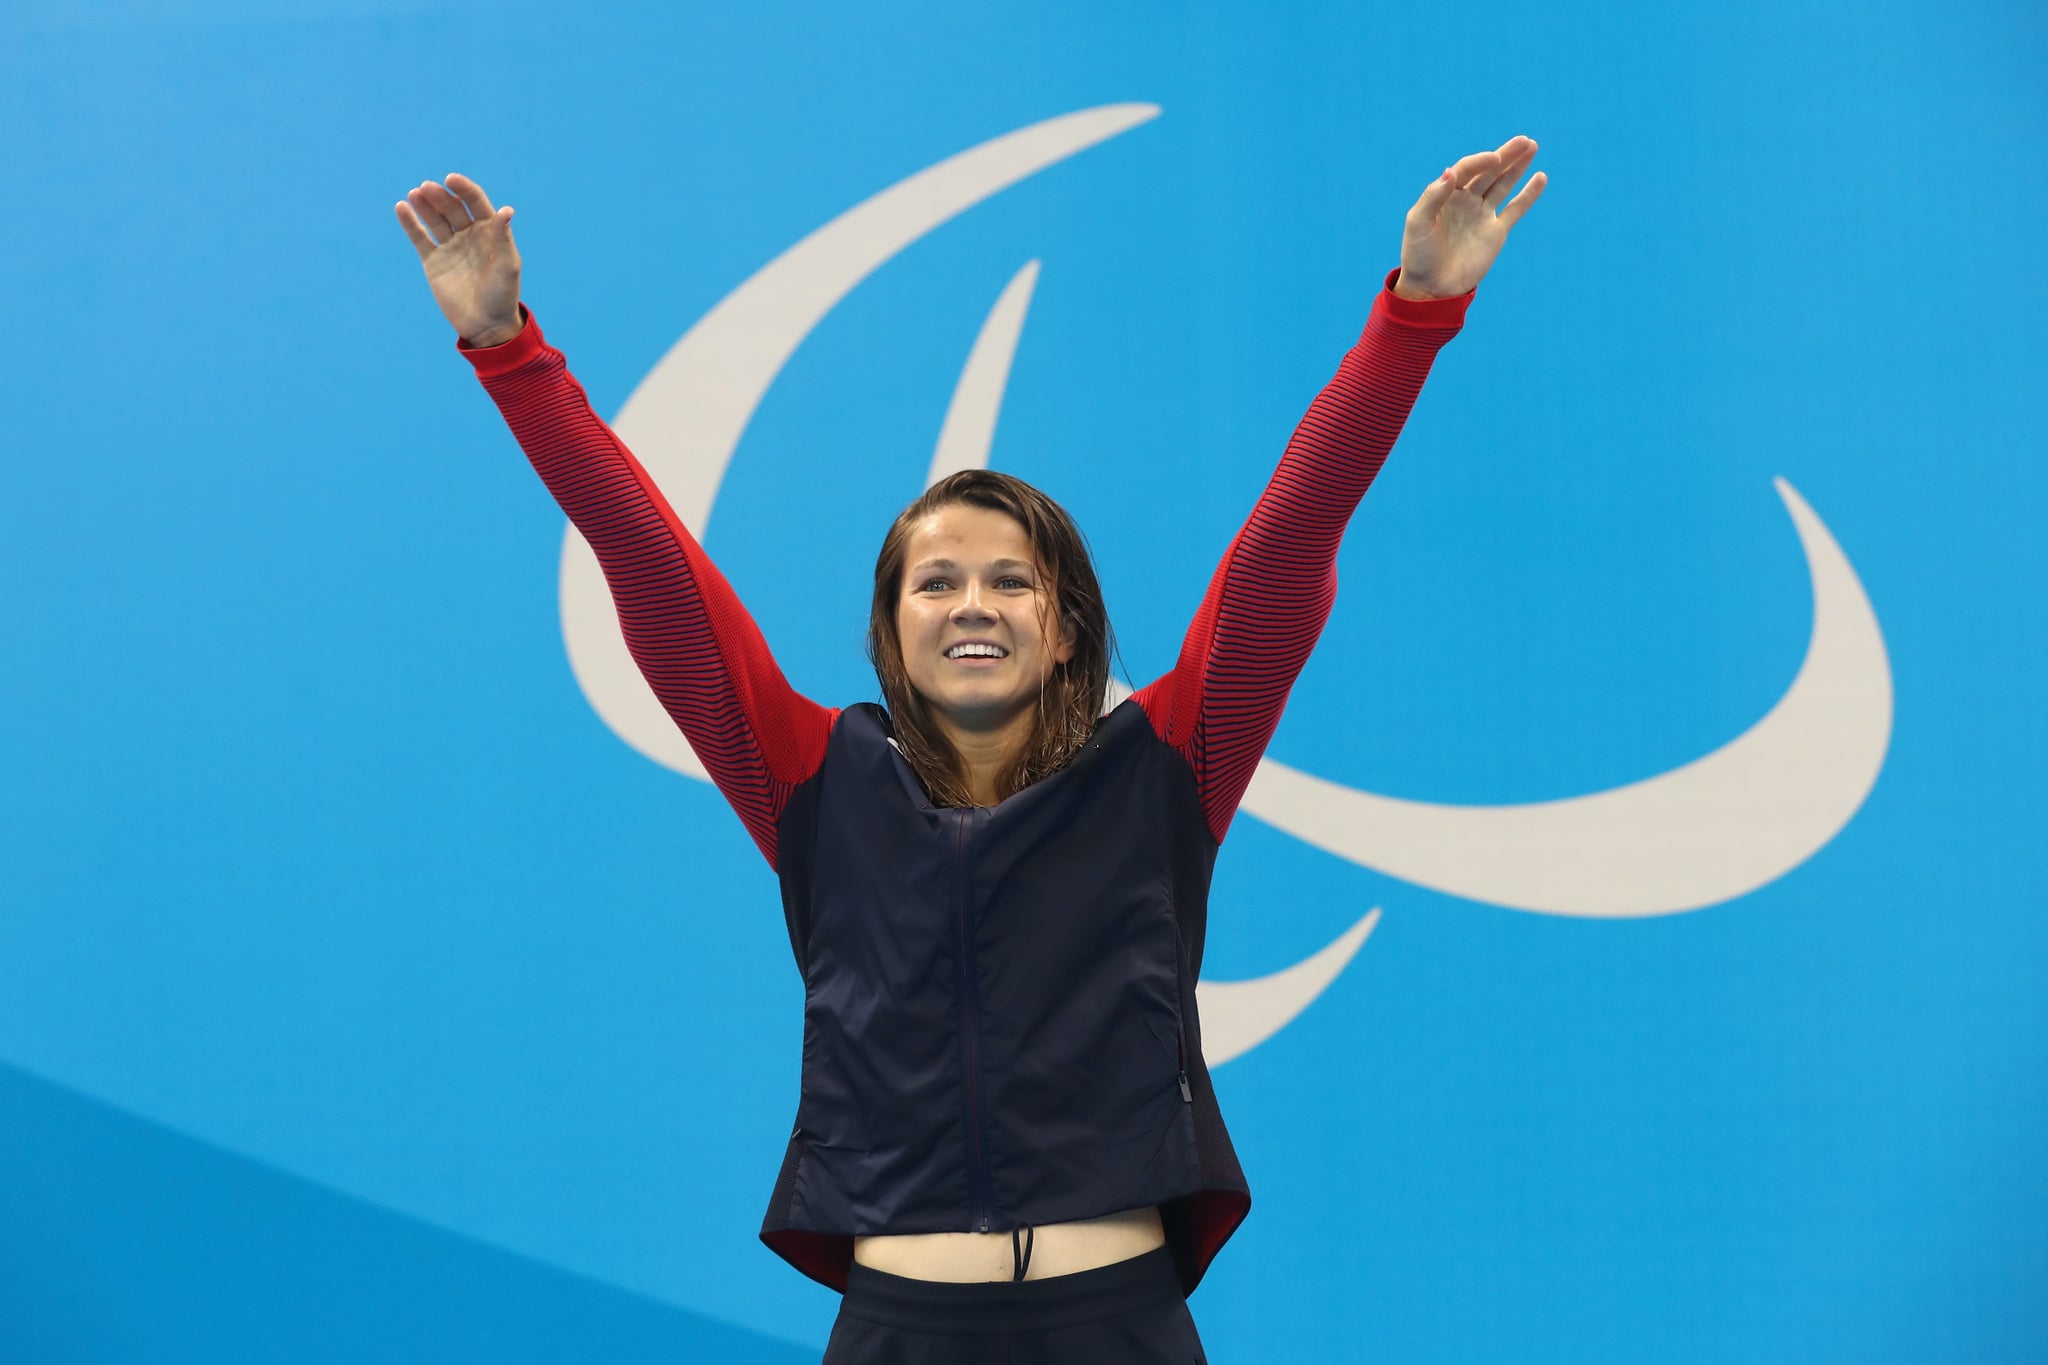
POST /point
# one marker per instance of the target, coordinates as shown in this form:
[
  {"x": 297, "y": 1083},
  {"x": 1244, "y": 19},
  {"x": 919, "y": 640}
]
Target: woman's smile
[{"x": 974, "y": 652}]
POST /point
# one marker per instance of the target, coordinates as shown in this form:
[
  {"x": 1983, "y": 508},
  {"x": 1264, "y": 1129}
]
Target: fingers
[
  {"x": 1516, "y": 154},
  {"x": 1432, "y": 198},
  {"x": 430, "y": 217},
  {"x": 1482, "y": 171},
  {"x": 431, "y": 214},
  {"x": 472, "y": 196},
  {"x": 1454, "y": 178},
  {"x": 441, "y": 211},
  {"x": 1511, "y": 156},
  {"x": 1490, "y": 175},
  {"x": 1524, "y": 201},
  {"x": 1476, "y": 170},
  {"x": 415, "y": 232}
]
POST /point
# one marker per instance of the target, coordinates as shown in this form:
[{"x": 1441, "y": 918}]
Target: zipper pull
[{"x": 1187, "y": 1096}]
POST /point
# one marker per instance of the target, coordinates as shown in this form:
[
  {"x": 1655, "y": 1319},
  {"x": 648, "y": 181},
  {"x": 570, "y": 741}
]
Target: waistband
[{"x": 1011, "y": 1306}]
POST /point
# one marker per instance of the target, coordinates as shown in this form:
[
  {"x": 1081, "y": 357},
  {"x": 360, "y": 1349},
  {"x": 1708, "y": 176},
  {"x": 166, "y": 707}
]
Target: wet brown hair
[{"x": 1071, "y": 697}]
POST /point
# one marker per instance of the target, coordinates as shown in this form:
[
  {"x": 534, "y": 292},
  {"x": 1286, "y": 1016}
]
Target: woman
[{"x": 1007, "y": 1144}]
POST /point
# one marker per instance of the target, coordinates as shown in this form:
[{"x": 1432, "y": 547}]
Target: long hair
[{"x": 1071, "y": 697}]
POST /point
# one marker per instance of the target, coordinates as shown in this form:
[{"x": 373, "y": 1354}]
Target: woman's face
[{"x": 975, "y": 618}]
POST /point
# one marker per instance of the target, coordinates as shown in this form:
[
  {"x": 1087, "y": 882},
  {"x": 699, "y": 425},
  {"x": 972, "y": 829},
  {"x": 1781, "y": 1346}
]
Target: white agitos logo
[{"x": 1709, "y": 831}]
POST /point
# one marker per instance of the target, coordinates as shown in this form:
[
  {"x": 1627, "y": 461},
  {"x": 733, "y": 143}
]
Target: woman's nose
[{"x": 970, "y": 606}]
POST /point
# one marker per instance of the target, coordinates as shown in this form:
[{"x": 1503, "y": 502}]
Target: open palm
[
  {"x": 466, "y": 248},
  {"x": 1457, "y": 227}
]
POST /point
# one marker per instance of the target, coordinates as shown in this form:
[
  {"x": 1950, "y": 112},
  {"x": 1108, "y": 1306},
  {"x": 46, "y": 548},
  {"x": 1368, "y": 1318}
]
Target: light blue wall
[{"x": 362, "y": 996}]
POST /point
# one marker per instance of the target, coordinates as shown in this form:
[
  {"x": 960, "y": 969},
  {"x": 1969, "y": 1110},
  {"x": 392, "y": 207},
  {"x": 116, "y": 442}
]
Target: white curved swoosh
[
  {"x": 1709, "y": 831},
  {"x": 1239, "y": 1015},
  {"x": 970, "y": 426},
  {"x": 686, "y": 417}
]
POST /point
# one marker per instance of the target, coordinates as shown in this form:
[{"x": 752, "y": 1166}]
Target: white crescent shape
[
  {"x": 686, "y": 417},
  {"x": 1706, "y": 832},
  {"x": 1239, "y": 1015},
  {"x": 1716, "y": 828},
  {"x": 970, "y": 426}
]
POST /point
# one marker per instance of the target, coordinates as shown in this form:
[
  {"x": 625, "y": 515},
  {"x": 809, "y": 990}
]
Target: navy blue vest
[{"x": 999, "y": 1003}]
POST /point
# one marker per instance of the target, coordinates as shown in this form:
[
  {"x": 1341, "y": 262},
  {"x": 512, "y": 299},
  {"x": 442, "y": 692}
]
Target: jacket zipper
[
  {"x": 1187, "y": 1095},
  {"x": 980, "y": 1178}
]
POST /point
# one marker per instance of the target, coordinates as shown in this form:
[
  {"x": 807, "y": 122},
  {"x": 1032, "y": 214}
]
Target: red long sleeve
[
  {"x": 1273, "y": 592},
  {"x": 708, "y": 664},
  {"x": 695, "y": 644}
]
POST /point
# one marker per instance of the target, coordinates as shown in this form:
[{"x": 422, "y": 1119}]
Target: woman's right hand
[{"x": 466, "y": 249}]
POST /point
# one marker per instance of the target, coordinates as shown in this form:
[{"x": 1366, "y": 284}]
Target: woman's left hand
[{"x": 1458, "y": 225}]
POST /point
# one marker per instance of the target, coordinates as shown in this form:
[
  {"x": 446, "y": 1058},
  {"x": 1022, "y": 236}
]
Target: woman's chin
[{"x": 977, "y": 708}]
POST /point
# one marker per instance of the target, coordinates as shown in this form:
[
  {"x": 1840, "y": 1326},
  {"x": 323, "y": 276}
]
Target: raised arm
[
  {"x": 695, "y": 644},
  {"x": 1270, "y": 597}
]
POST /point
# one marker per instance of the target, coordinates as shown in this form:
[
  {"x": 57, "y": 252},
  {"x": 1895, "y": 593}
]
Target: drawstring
[{"x": 1021, "y": 1261}]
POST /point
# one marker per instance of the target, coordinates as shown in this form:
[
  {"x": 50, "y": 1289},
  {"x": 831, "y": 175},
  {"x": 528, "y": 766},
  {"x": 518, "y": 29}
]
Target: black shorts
[{"x": 1130, "y": 1313}]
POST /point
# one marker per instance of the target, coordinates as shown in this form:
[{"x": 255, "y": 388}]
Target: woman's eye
[{"x": 934, "y": 585}]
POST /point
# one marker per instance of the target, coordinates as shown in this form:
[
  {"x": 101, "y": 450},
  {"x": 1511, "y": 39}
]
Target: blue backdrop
[{"x": 364, "y": 997}]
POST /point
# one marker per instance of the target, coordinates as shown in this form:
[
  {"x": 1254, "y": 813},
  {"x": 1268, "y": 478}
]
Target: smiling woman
[
  {"x": 1007, "y": 1140},
  {"x": 989, "y": 636}
]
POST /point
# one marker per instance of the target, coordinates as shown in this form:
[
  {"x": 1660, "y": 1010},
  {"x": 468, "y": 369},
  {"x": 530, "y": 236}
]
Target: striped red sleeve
[
  {"x": 1273, "y": 591},
  {"x": 695, "y": 644}
]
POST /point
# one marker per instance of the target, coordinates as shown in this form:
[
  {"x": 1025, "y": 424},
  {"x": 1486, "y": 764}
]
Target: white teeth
[{"x": 976, "y": 651}]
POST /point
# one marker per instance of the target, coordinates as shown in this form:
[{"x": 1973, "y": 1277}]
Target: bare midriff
[{"x": 1056, "y": 1249}]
